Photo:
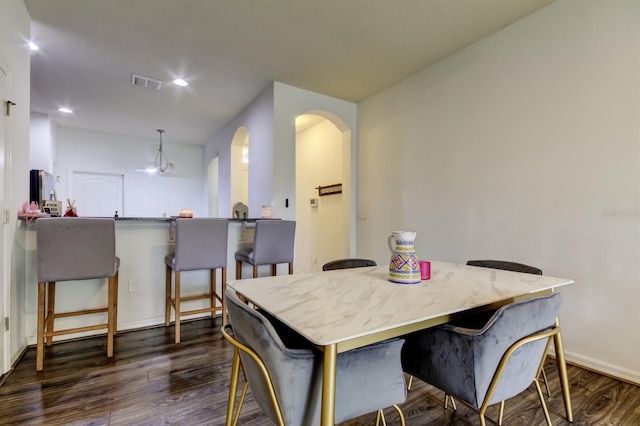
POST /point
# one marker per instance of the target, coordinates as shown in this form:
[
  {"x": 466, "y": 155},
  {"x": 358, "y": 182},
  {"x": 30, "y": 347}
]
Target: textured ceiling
[{"x": 230, "y": 51}]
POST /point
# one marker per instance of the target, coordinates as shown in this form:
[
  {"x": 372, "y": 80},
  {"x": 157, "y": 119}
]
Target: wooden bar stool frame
[
  {"x": 206, "y": 240},
  {"x": 72, "y": 235}
]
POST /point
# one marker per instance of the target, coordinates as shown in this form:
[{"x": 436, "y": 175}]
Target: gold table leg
[
  {"x": 562, "y": 371},
  {"x": 328, "y": 413}
]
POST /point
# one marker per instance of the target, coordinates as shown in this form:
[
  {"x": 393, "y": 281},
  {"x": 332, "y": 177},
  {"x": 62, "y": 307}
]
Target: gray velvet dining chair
[
  {"x": 72, "y": 249},
  {"x": 201, "y": 244},
  {"x": 478, "y": 319},
  {"x": 286, "y": 379},
  {"x": 485, "y": 366},
  {"x": 273, "y": 244},
  {"x": 348, "y": 263}
]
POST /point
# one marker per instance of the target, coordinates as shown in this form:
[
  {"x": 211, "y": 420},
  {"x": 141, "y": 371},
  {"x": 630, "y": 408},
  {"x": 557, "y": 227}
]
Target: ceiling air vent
[{"x": 141, "y": 80}]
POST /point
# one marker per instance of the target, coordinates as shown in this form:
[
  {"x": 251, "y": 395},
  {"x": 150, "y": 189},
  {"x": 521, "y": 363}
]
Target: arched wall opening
[
  {"x": 239, "y": 190},
  {"x": 323, "y": 157}
]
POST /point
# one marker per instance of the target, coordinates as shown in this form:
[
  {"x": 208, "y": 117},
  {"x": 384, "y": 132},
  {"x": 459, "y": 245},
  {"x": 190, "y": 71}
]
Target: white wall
[
  {"x": 290, "y": 102},
  {"x": 270, "y": 121},
  {"x": 319, "y": 162},
  {"x": 42, "y": 143},
  {"x": 145, "y": 195},
  {"x": 14, "y": 55},
  {"x": 524, "y": 146},
  {"x": 257, "y": 117}
]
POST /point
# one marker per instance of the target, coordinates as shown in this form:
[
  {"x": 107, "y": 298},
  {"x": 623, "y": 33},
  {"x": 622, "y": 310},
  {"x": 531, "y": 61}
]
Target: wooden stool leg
[
  {"x": 255, "y": 271},
  {"x": 223, "y": 287},
  {"x": 238, "y": 269},
  {"x": 167, "y": 307},
  {"x": 274, "y": 270},
  {"x": 40, "y": 332},
  {"x": 111, "y": 316},
  {"x": 177, "y": 307},
  {"x": 290, "y": 268},
  {"x": 51, "y": 303},
  {"x": 115, "y": 303},
  {"x": 212, "y": 292}
]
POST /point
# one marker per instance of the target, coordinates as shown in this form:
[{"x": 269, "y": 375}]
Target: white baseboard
[{"x": 605, "y": 368}]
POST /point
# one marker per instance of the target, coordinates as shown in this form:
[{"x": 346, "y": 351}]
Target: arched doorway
[
  {"x": 239, "y": 190},
  {"x": 323, "y": 157}
]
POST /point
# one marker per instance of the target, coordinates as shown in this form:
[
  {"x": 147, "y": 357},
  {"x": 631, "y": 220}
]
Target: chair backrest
[
  {"x": 201, "y": 244},
  {"x": 347, "y": 264},
  {"x": 508, "y": 325},
  {"x": 506, "y": 266},
  {"x": 274, "y": 241},
  {"x": 291, "y": 371},
  {"x": 75, "y": 249}
]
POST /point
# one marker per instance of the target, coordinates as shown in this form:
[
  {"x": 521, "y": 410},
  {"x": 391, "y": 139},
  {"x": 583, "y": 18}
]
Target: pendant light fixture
[{"x": 161, "y": 164}]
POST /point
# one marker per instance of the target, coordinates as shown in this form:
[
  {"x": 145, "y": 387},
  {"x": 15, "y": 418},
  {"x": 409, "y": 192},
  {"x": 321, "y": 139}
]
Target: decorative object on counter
[
  {"x": 161, "y": 163},
  {"x": 266, "y": 212},
  {"x": 186, "y": 214},
  {"x": 329, "y": 189},
  {"x": 71, "y": 209},
  {"x": 404, "y": 267},
  {"x": 53, "y": 207},
  {"x": 240, "y": 211},
  {"x": 115, "y": 216},
  {"x": 425, "y": 269},
  {"x": 28, "y": 212}
]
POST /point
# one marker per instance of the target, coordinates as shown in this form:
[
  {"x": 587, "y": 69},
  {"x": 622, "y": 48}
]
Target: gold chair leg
[
  {"x": 400, "y": 414},
  {"x": 40, "y": 332},
  {"x": 380, "y": 416},
  {"x": 544, "y": 405},
  {"x": 177, "y": 306},
  {"x": 546, "y": 382},
  {"x": 410, "y": 383},
  {"x": 233, "y": 387},
  {"x": 500, "y": 412},
  {"x": 562, "y": 372},
  {"x": 167, "y": 309},
  {"x": 448, "y": 398}
]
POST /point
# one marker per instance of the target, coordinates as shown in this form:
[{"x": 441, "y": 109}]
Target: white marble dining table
[{"x": 345, "y": 309}]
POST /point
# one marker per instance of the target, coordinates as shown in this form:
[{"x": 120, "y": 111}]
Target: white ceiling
[{"x": 230, "y": 51}]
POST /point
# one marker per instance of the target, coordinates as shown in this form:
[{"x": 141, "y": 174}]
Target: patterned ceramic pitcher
[{"x": 404, "y": 267}]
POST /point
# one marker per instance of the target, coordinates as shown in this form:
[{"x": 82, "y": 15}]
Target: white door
[
  {"x": 5, "y": 272},
  {"x": 98, "y": 194}
]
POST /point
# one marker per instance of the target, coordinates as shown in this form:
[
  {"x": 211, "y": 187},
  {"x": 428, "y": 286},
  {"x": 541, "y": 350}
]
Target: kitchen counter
[{"x": 141, "y": 244}]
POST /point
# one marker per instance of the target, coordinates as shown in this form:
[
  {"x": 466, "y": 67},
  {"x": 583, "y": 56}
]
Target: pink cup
[{"x": 425, "y": 269}]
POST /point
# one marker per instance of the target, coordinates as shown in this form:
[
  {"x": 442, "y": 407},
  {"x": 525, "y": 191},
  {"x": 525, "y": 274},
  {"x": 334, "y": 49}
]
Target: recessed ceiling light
[
  {"x": 180, "y": 82},
  {"x": 33, "y": 46},
  {"x": 65, "y": 110}
]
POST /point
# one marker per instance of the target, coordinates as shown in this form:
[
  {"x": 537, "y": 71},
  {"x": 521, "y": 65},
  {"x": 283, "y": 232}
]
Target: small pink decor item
[{"x": 425, "y": 269}]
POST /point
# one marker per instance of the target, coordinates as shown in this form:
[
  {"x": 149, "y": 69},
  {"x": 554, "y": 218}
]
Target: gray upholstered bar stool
[
  {"x": 201, "y": 244},
  {"x": 71, "y": 249},
  {"x": 273, "y": 243}
]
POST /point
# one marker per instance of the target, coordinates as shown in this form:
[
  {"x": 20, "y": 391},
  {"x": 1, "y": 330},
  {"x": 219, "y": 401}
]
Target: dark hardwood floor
[{"x": 151, "y": 381}]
